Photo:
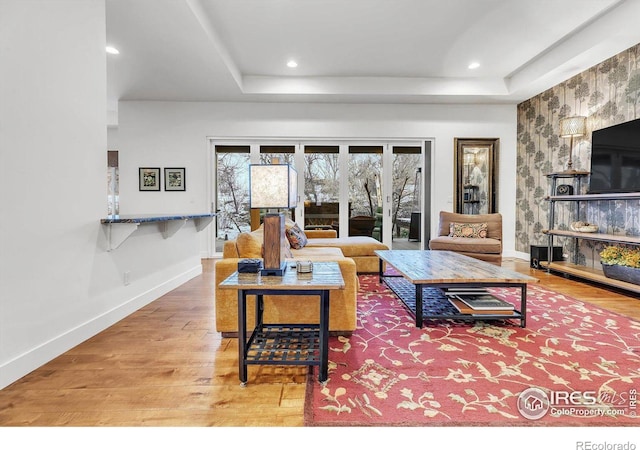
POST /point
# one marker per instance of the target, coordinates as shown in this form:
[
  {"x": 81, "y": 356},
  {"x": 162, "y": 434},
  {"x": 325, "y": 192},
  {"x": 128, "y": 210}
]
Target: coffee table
[
  {"x": 285, "y": 344},
  {"x": 425, "y": 275}
]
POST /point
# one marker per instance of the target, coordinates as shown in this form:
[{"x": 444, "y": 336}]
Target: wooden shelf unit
[
  {"x": 595, "y": 197},
  {"x": 574, "y": 269},
  {"x": 601, "y": 237},
  {"x": 588, "y": 273}
]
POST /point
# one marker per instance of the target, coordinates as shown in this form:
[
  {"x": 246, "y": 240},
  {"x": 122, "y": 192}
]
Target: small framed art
[
  {"x": 174, "y": 179},
  {"x": 149, "y": 178}
]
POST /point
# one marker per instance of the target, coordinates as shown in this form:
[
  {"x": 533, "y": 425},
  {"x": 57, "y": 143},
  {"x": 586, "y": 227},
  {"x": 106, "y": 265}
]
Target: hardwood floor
[{"x": 165, "y": 365}]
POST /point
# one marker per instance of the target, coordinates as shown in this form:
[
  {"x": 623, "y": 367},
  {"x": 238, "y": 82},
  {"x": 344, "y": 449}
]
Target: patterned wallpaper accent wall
[{"x": 608, "y": 94}]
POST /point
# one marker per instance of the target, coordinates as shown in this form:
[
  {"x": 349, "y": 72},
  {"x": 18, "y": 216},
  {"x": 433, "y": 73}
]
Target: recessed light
[
  {"x": 292, "y": 64},
  {"x": 474, "y": 65},
  {"x": 112, "y": 50}
]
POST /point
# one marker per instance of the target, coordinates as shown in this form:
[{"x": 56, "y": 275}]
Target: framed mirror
[{"x": 475, "y": 162}]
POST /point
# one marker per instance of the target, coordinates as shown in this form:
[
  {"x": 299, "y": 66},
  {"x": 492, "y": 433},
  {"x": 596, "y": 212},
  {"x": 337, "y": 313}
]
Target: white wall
[
  {"x": 175, "y": 133},
  {"x": 112, "y": 138},
  {"x": 58, "y": 284}
]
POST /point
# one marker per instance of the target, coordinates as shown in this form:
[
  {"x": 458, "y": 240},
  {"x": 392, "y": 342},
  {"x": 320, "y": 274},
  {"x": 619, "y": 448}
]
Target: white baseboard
[
  {"x": 520, "y": 255},
  {"x": 27, "y": 362}
]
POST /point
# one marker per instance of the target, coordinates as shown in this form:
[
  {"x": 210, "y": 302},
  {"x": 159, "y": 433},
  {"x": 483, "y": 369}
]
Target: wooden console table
[{"x": 285, "y": 344}]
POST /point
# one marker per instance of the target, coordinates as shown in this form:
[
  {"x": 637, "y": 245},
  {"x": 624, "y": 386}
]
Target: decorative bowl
[{"x": 584, "y": 227}]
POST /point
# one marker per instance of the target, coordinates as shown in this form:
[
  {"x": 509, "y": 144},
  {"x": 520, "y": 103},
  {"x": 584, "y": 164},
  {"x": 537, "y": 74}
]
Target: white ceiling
[{"x": 383, "y": 51}]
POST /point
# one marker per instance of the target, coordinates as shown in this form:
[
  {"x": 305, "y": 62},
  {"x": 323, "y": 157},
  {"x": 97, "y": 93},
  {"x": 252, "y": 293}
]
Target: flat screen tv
[{"x": 615, "y": 159}]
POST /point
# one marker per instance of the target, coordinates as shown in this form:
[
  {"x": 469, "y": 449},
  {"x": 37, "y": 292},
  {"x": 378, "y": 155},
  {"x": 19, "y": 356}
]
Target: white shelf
[
  {"x": 117, "y": 233},
  {"x": 118, "y": 228}
]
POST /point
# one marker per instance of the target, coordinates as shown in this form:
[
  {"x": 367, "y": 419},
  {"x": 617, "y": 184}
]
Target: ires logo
[
  {"x": 574, "y": 398},
  {"x": 534, "y": 403}
]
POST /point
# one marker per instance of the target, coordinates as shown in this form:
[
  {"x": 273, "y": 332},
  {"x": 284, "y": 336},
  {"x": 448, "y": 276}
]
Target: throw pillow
[
  {"x": 287, "y": 244},
  {"x": 249, "y": 246},
  {"x": 468, "y": 230},
  {"x": 296, "y": 237},
  {"x": 288, "y": 223}
]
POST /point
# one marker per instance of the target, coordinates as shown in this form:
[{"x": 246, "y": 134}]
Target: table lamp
[
  {"x": 573, "y": 126},
  {"x": 273, "y": 187}
]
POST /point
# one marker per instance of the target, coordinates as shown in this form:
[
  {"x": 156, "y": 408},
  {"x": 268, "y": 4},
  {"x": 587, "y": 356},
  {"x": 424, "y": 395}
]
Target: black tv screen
[{"x": 615, "y": 159}]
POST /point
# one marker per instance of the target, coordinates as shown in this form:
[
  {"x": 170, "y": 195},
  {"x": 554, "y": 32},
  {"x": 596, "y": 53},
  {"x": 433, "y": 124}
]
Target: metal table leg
[
  {"x": 419, "y": 305},
  {"x": 242, "y": 336},
  {"x": 324, "y": 336},
  {"x": 523, "y": 305}
]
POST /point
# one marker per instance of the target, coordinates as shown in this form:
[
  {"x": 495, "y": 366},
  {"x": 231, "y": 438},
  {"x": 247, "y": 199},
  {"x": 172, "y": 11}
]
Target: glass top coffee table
[{"x": 424, "y": 277}]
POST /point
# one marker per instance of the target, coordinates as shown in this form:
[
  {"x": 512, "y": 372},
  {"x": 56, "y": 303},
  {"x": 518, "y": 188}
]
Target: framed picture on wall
[
  {"x": 174, "y": 179},
  {"x": 149, "y": 178}
]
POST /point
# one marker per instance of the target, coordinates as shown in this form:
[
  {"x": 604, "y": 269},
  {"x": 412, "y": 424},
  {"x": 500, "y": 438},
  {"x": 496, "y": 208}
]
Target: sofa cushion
[
  {"x": 351, "y": 246},
  {"x": 468, "y": 230},
  {"x": 318, "y": 254},
  {"x": 230, "y": 249},
  {"x": 466, "y": 245},
  {"x": 295, "y": 235},
  {"x": 249, "y": 246}
]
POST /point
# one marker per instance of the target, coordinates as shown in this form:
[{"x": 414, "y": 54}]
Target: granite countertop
[{"x": 142, "y": 218}]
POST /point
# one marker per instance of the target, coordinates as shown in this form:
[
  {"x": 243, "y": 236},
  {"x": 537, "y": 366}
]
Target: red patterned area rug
[{"x": 573, "y": 365}]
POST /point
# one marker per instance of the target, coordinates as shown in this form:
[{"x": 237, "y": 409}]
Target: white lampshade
[
  {"x": 573, "y": 126},
  {"x": 273, "y": 186}
]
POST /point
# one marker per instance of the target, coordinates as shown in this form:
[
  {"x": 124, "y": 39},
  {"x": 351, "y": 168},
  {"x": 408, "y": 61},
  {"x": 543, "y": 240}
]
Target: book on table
[
  {"x": 470, "y": 300},
  {"x": 485, "y": 302},
  {"x": 465, "y": 291},
  {"x": 463, "y": 308}
]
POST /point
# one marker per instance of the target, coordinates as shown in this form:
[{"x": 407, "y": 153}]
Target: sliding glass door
[
  {"x": 356, "y": 188},
  {"x": 321, "y": 187},
  {"x": 365, "y": 191},
  {"x": 231, "y": 192},
  {"x": 406, "y": 204}
]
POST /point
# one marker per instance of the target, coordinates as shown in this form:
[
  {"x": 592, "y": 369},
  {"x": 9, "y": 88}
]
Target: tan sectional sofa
[
  {"x": 359, "y": 248},
  {"x": 353, "y": 254},
  {"x": 487, "y": 249}
]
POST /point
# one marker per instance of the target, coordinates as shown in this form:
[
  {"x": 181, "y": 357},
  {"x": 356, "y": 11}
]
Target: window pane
[
  {"x": 232, "y": 196},
  {"x": 365, "y": 183},
  {"x": 365, "y": 191},
  {"x": 321, "y": 187},
  {"x": 406, "y": 195},
  {"x": 282, "y": 158},
  {"x": 113, "y": 183}
]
